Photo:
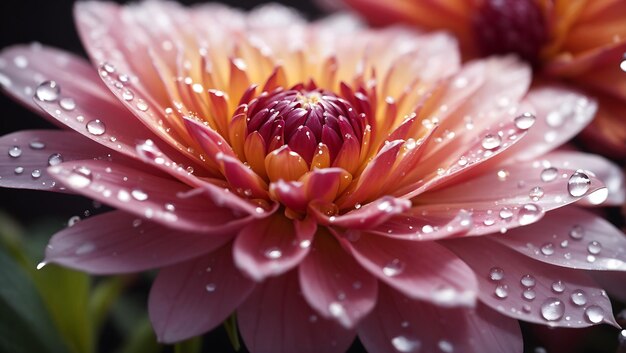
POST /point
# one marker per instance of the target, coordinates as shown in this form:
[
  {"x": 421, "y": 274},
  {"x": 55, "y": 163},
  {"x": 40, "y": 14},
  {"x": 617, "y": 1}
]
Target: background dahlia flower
[
  {"x": 582, "y": 42},
  {"x": 319, "y": 179}
]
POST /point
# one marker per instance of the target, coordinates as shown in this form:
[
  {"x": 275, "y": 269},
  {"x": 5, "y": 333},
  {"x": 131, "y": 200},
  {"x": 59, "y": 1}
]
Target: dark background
[{"x": 50, "y": 22}]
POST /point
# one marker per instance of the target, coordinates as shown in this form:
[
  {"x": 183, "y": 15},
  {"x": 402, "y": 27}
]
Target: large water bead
[{"x": 303, "y": 118}]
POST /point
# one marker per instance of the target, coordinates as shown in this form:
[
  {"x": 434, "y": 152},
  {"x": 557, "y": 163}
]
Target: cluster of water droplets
[{"x": 560, "y": 304}]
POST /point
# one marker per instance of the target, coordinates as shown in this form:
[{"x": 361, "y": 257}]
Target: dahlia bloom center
[{"x": 304, "y": 120}]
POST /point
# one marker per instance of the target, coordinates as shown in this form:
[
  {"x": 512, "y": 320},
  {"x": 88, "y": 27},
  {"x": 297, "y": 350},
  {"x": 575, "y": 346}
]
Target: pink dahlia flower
[{"x": 319, "y": 180}]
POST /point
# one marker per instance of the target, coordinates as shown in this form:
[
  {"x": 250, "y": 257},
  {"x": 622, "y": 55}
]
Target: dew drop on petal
[
  {"x": 273, "y": 253},
  {"x": 73, "y": 220},
  {"x": 594, "y": 247},
  {"x": 502, "y": 291},
  {"x": 528, "y": 281},
  {"x": 15, "y": 152},
  {"x": 128, "y": 95},
  {"x": 210, "y": 287},
  {"x": 496, "y": 274},
  {"x": 139, "y": 195},
  {"x": 505, "y": 213},
  {"x": 594, "y": 314},
  {"x": 96, "y": 127},
  {"x": 68, "y": 104},
  {"x": 536, "y": 193},
  {"x": 445, "y": 346},
  {"x": 491, "y": 141},
  {"x": 578, "y": 298},
  {"x": 578, "y": 184},
  {"x": 549, "y": 174},
  {"x": 79, "y": 177},
  {"x": 547, "y": 249},
  {"x": 55, "y": 159},
  {"x": 18, "y": 170},
  {"x": 558, "y": 287},
  {"x": 48, "y": 91},
  {"x": 85, "y": 248},
  {"x": 524, "y": 121},
  {"x": 142, "y": 105},
  {"x": 36, "y": 174},
  {"x": 393, "y": 268},
  {"x": 529, "y": 213},
  {"x": 529, "y": 294},
  {"x": 37, "y": 145},
  {"x": 404, "y": 344},
  {"x": 577, "y": 232},
  {"x": 552, "y": 309}
]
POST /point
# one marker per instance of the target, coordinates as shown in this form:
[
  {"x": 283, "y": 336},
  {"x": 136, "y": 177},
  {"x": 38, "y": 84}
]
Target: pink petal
[
  {"x": 420, "y": 270},
  {"x": 399, "y": 324},
  {"x": 610, "y": 174},
  {"x": 612, "y": 282},
  {"x": 35, "y": 150},
  {"x": 276, "y": 319},
  {"x": 191, "y": 298},
  {"x": 561, "y": 114},
  {"x": 416, "y": 225},
  {"x": 39, "y": 63},
  {"x": 334, "y": 284},
  {"x": 271, "y": 246},
  {"x": 118, "y": 242},
  {"x": 571, "y": 237},
  {"x": 506, "y": 197},
  {"x": 529, "y": 290},
  {"x": 164, "y": 201},
  {"x": 84, "y": 105},
  {"x": 152, "y": 155},
  {"x": 367, "y": 216}
]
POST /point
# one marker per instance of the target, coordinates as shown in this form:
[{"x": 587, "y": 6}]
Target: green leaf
[
  {"x": 230, "y": 325},
  {"x": 192, "y": 345},
  {"x": 25, "y": 325},
  {"x": 66, "y": 294},
  {"x": 102, "y": 299},
  {"x": 142, "y": 339}
]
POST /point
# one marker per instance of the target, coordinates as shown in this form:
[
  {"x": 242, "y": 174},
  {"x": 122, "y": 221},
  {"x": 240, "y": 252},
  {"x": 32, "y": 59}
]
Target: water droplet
[
  {"x": 578, "y": 298},
  {"x": 273, "y": 253},
  {"x": 48, "y": 91},
  {"x": 502, "y": 174},
  {"x": 142, "y": 105},
  {"x": 20, "y": 61},
  {"x": 15, "y": 152},
  {"x": 404, "y": 344},
  {"x": 578, "y": 184},
  {"x": 37, "y": 145},
  {"x": 502, "y": 291},
  {"x": 170, "y": 207},
  {"x": 18, "y": 170},
  {"x": 139, "y": 195},
  {"x": 594, "y": 314},
  {"x": 552, "y": 309},
  {"x": 577, "y": 232},
  {"x": 558, "y": 287},
  {"x": 96, "y": 127},
  {"x": 536, "y": 193},
  {"x": 524, "y": 121},
  {"x": 128, "y": 95},
  {"x": 491, "y": 141},
  {"x": 210, "y": 287},
  {"x": 55, "y": 159},
  {"x": 393, "y": 268},
  {"x": 528, "y": 281},
  {"x": 547, "y": 249},
  {"x": 137, "y": 222},
  {"x": 79, "y": 177},
  {"x": 67, "y": 104},
  {"x": 73, "y": 220},
  {"x": 529, "y": 213},
  {"x": 41, "y": 265},
  {"x": 445, "y": 346},
  {"x": 496, "y": 274},
  {"x": 594, "y": 247},
  {"x": 36, "y": 174},
  {"x": 85, "y": 248},
  {"x": 506, "y": 213},
  {"x": 549, "y": 174},
  {"x": 529, "y": 294}
]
